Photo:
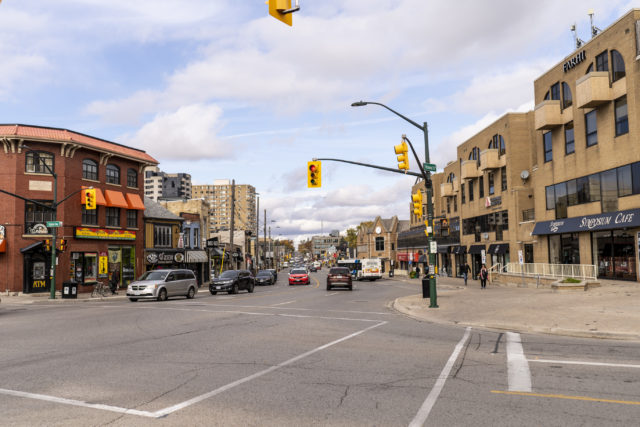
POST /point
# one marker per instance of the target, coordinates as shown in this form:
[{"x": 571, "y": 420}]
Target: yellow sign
[
  {"x": 103, "y": 263},
  {"x": 104, "y": 234}
]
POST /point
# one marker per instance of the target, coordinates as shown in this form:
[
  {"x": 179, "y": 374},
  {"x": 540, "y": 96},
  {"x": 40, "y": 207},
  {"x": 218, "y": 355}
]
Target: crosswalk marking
[{"x": 519, "y": 375}]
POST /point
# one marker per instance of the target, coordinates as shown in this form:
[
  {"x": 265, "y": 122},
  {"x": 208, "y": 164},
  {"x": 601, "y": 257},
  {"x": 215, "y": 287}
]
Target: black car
[
  {"x": 264, "y": 277},
  {"x": 275, "y": 274},
  {"x": 232, "y": 281}
]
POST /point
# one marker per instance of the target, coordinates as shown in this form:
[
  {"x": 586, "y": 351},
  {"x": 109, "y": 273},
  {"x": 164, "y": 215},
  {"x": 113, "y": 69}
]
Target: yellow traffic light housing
[
  {"x": 282, "y": 10},
  {"x": 402, "y": 150},
  {"x": 314, "y": 174},
  {"x": 90, "y": 198},
  {"x": 63, "y": 245},
  {"x": 417, "y": 203}
]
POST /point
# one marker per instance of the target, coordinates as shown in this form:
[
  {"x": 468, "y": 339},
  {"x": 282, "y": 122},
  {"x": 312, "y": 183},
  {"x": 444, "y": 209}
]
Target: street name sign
[
  {"x": 54, "y": 224},
  {"x": 429, "y": 167}
]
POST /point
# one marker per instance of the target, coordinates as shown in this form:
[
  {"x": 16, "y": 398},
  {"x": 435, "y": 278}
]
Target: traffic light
[
  {"x": 47, "y": 245},
  {"x": 63, "y": 245},
  {"x": 90, "y": 198},
  {"x": 402, "y": 150},
  {"x": 417, "y": 203},
  {"x": 314, "y": 174},
  {"x": 426, "y": 228},
  {"x": 276, "y": 9}
]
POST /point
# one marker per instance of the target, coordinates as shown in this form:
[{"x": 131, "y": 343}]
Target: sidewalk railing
[{"x": 578, "y": 271}]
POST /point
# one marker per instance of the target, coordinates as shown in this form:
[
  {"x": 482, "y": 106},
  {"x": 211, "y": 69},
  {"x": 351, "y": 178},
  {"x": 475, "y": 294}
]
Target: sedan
[
  {"x": 339, "y": 276},
  {"x": 264, "y": 277},
  {"x": 299, "y": 276}
]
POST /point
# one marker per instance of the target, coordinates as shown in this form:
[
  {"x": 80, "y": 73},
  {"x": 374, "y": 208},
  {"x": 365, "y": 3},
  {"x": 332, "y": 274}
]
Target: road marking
[
  {"x": 562, "y": 396},
  {"x": 519, "y": 374},
  {"x": 333, "y": 293},
  {"x": 283, "y": 303},
  {"x": 425, "y": 409},
  {"x": 302, "y": 309},
  {"x": 577, "y": 362}
]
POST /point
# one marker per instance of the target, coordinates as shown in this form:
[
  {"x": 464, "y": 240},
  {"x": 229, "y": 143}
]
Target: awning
[
  {"x": 604, "y": 221},
  {"x": 217, "y": 253},
  {"x": 443, "y": 249},
  {"x": 31, "y": 247},
  {"x": 115, "y": 199},
  {"x": 134, "y": 201},
  {"x": 458, "y": 250},
  {"x": 196, "y": 257},
  {"x": 498, "y": 248},
  {"x": 99, "y": 197},
  {"x": 477, "y": 249}
]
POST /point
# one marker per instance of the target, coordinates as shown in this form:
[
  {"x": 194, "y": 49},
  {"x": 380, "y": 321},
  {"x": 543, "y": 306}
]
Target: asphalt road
[{"x": 296, "y": 356}]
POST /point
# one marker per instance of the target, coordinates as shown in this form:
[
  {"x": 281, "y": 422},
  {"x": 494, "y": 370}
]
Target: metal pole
[
  {"x": 258, "y": 236},
  {"x": 265, "y": 235},
  {"x": 55, "y": 236},
  {"x": 233, "y": 208}
]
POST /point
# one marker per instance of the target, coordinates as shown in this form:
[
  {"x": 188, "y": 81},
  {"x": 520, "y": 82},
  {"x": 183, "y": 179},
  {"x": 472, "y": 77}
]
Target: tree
[
  {"x": 352, "y": 237},
  {"x": 288, "y": 244},
  {"x": 306, "y": 246}
]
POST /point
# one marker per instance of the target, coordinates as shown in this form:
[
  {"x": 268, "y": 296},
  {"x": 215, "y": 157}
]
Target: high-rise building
[
  {"x": 160, "y": 185},
  {"x": 219, "y": 197}
]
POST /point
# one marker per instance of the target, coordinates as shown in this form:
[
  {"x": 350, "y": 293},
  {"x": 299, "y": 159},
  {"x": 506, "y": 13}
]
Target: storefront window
[
  {"x": 554, "y": 249},
  {"x": 614, "y": 254},
  {"x": 609, "y": 190},
  {"x": 90, "y": 267}
]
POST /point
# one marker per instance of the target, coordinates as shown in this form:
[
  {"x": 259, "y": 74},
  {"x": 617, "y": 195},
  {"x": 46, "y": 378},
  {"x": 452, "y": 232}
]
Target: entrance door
[
  {"x": 477, "y": 265},
  {"x": 528, "y": 253}
]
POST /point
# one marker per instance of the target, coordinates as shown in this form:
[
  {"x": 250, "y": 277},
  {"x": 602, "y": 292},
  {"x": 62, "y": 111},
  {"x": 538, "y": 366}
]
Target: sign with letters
[{"x": 604, "y": 221}]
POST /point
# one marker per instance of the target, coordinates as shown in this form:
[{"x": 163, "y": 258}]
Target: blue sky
[{"x": 220, "y": 90}]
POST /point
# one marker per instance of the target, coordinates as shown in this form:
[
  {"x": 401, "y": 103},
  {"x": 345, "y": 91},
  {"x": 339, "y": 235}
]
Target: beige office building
[{"x": 219, "y": 197}]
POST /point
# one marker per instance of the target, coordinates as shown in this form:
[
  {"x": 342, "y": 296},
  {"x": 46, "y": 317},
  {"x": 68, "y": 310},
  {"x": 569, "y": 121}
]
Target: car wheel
[
  {"x": 213, "y": 292},
  {"x": 191, "y": 293},
  {"x": 162, "y": 295},
  {"x": 133, "y": 299},
  {"x": 234, "y": 289},
  {"x": 328, "y": 287},
  {"x": 350, "y": 287},
  {"x": 250, "y": 290}
]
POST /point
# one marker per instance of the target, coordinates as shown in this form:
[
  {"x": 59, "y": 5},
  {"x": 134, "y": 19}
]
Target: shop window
[
  {"x": 591, "y": 128},
  {"x": 569, "y": 139},
  {"x": 462, "y": 193},
  {"x": 624, "y": 181},
  {"x": 84, "y": 267},
  {"x": 622, "y": 119},
  {"x": 132, "y": 218},
  {"x": 602, "y": 62},
  {"x": 567, "y": 99},
  {"x": 39, "y": 162},
  {"x": 132, "y": 178},
  {"x": 89, "y": 216},
  {"x": 491, "y": 187},
  {"x": 471, "y": 190},
  {"x": 481, "y": 187},
  {"x": 548, "y": 146},
  {"x": 609, "y": 190},
  {"x": 113, "y": 217},
  {"x": 503, "y": 178},
  {"x": 162, "y": 236},
  {"x": 113, "y": 174},
  {"x": 35, "y": 214},
  {"x": 617, "y": 65},
  {"x": 551, "y": 197},
  {"x": 614, "y": 254},
  {"x": 564, "y": 248},
  {"x": 90, "y": 169},
  {"x": 379, "y": 243}
]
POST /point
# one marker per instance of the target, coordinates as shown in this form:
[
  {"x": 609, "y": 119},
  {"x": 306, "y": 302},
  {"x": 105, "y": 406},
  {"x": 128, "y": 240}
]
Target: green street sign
[
  {"x": 429, "y": 167},
  {"x": 54, "y": 224}
]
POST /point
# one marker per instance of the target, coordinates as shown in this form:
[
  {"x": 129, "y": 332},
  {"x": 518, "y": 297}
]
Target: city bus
[{"x": 371, "y": 269}]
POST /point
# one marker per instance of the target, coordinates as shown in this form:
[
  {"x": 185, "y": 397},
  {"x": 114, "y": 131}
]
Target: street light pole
[{"x": 429, "y": 189}]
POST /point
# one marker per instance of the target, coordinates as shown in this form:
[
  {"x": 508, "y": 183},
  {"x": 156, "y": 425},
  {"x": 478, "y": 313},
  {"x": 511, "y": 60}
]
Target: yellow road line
[
  {"x": 562, "y": 396},
  {"x": 317, "y": 283}
]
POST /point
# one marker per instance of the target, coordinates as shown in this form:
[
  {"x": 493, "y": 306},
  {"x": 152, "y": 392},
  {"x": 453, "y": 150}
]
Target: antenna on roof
[
  {"x": 594, "y": 30},
  {"x": 578, "y": 41}
]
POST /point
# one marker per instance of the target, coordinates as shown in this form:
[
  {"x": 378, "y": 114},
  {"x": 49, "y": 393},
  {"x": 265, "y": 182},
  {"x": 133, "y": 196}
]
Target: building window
[
  {"x": 462, "y": 200},
  {"x": 37, "y": 162},
  {"x": 36, "y": 215},
  {"x": 551, "y": 197},
  {"x": 455, "y": 203},
  {"x": 89, "y": 216},
  {"x": 555, "y": 91},
  {"x": 470, "y": 191},
  {"x": 503, "y": 179},
  {"x": 589, "y": 68},
  {"x": 564, "y": 249},
  {"x": 602, "y": 62},
  {"x": 617, "y": 65},
  {"x": 162, "y": 236},
  {"x": 497, "y": 142},
  {"x": 609, "y": 190},
  {"x": 132, "y": 218},
  {"x": 113, "y": 217},
  {"x": 90, "y": 169},
  {"x": 569, "y": 139},
  {"x": 625, "y": 181},
  {"x": 548, "y": 147},
  {"x": 474, "y": 154},
  {"x": 481, "y": 187},
  {"x": 567, "y": 99},
  {"x": 113, "y": 174},
  {"x": 622, "y": 119},
  {"x": 448, "y": 205},
  {"x": 132, "y": 178},
  {"x": 491, "y": 187},
  {"x": 591, "y": 128},
  {"x": 561, "y": 200},
  {"x": 379, "y": 243}
]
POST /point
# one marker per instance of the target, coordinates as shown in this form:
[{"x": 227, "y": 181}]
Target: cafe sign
[
  {"x": 605, "y": 221},
  {"x": 104, "y": 234}
]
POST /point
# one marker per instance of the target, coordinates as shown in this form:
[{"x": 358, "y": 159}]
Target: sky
[{"x": 221, "y": 90}]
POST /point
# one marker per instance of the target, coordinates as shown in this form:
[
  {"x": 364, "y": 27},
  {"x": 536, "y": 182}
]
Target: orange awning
[
  {"x": 134, "y": 201},
  {"x": 99, "y": 197},
  {"x": 115, "y": 199}
]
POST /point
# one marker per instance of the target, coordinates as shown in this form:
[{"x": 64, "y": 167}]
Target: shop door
[
  {"x": 477, "y": 265},
  {"x": 36, "y": 277},
  {"x": 528, "y": 253}
]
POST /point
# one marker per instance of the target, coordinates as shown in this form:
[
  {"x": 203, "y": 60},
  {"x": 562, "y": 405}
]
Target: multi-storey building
[
  {"x": 321, "y": 244},
  {"x": 219, "y": 197},
  {"x": 160, "y": 185},
  {"x": 380, "y": 240}
]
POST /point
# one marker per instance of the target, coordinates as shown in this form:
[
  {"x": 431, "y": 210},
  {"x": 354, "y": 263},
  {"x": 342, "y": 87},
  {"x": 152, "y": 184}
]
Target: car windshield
[
  {"x": 264, "y": 273},
  {"x": 298, "y": 271},
  {"x": 339, "y": 270},
  {"x": 154, "y": 275},
  {"x": 229, "y": 274}
]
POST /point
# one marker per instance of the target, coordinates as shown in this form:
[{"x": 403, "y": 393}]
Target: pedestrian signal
[
  {"x": 90, "y": 198},
  {"x": 402, "y": 150},
  {"x": 63, "y": 245},
  {"x": 417, "y": 204},
  {"x": 314, "y": 174}
]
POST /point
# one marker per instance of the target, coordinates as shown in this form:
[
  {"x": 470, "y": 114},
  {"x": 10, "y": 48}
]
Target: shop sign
[
  {"x": 104, "y": 234},
  {"x": 164, "y": 257},
  {"x": 606, "y": 221},
  {"x": 493, "y": 201},
  {"x": 39, "y": 229},
  {"x": 571, "y": 63},
  {"x": 3, "y": 244},
  {"x": 103, "y": 263}
]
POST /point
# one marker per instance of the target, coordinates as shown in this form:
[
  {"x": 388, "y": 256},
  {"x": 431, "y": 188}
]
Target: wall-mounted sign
[
  {"x": 160, "y": 257},
  {"x": 38, "y": 229},
  {"x": 605, "y": 221},
  {"x": 493, "y": 201},
  {"x": 571, "y": 63},
  {"x": 104, "y": 234},
  {"x": 3, "y": 243}
]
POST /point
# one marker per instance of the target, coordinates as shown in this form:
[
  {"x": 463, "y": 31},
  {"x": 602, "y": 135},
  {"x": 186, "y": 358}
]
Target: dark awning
[
  {"x": 217, "y": 253},
  {"x": 458, "y": 250},
  {"x": 603, "y": 221},
  {"x": 31, "y": 247},
  {"x": 476, "y": 249},
  {"x": 443, "y": 249},
  {"x": 498, "y": 248}
]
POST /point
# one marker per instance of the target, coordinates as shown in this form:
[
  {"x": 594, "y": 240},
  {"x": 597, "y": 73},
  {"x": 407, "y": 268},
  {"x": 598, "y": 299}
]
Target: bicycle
[{"x": 100, "y": 289}]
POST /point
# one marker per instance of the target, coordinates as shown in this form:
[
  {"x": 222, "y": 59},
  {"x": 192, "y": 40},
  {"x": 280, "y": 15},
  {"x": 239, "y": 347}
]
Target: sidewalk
[
  {"x": 610, "y": 311},
  {"x": 44, "y": 298}
]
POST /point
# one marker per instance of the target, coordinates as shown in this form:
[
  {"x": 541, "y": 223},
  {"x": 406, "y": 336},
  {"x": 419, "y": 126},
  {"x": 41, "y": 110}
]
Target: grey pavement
[{"x": 609, "y": 311}]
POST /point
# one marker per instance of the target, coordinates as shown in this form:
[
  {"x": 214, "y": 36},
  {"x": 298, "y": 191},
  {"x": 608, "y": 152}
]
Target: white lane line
[
  {"x": 578, "y": 362},
  {"x": 283, "y": 303},
  {"x": 301, "y": 309},
  {"x": 77, "y": 403},
  {"x": 170, "y": 409},
  {"x": 425, "y": 409},
  {"x": 332, "y": 293},
  {"x": 519, "y": 375}
]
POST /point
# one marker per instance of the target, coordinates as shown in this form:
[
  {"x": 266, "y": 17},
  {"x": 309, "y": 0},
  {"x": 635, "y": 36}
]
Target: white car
[{"x": 162, "y": 284}]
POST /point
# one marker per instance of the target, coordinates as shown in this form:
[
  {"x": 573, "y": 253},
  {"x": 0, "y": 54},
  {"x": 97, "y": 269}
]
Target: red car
[{"x": 299, "y": 276}]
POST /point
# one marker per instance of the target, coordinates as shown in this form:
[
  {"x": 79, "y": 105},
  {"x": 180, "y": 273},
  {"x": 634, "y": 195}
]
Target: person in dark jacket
[
  {"x": 115, "y": 282},
  {"x": 484, "y": 274},
  {"x": 465, "y": 272}
]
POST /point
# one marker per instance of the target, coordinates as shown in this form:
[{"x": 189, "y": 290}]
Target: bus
[
  {"x": 371, "y": 269},
  {"x": 353, "y": 265}
]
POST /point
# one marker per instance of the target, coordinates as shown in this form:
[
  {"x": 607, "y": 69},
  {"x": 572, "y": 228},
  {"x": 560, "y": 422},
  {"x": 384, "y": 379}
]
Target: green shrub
[{"x": 571, "y": 280}]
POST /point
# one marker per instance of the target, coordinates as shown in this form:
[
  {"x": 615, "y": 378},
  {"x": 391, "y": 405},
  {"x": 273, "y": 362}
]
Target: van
[{"x": 162, "y": 284}]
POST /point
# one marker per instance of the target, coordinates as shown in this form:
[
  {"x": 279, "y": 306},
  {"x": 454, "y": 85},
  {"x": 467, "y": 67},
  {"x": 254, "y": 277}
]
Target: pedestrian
[
  {"x": 417, "y": 271},
  {"x": 465, "y": 272},
  {"x": 484, "y": 274},
  {"x": 115, "y": 282}
]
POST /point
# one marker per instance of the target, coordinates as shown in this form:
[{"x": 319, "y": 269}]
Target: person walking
[
  {"x": 484, "y": 274},
  {"x": 465, "y": 272}
]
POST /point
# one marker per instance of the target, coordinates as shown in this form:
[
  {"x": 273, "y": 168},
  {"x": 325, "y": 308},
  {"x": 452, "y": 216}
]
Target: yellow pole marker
[{"x": 562, "y": 396}]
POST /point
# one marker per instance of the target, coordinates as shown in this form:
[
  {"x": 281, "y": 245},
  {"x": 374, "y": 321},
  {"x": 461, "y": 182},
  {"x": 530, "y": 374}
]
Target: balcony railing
[
  {"x": 470, "y": 169},
  {"x": 448, "y": 189},
  {"x": 593, "y": 90},
  {"x": 548, "y": 115},
  {"x": 491, "y": 159}
]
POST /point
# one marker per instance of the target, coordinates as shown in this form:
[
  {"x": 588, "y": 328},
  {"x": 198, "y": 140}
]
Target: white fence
[{"x": 579, "y": 271}]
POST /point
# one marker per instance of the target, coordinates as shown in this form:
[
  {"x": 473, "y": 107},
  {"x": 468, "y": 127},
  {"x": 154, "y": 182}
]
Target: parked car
[
  {"x": 312, "y": 268},
  {"x": 162, "y": 284},
  {"x": 339, "y": 276},
  {"x": 264, "y": 277},
  {"x": 275, "y": 274},
  {"x": 232, "y": 281},
  {"x": 299, "y": 276}
]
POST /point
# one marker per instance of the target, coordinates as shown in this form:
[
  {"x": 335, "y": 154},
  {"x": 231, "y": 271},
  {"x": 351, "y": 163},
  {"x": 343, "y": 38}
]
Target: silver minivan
[{"x": 162, "y": 284}]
